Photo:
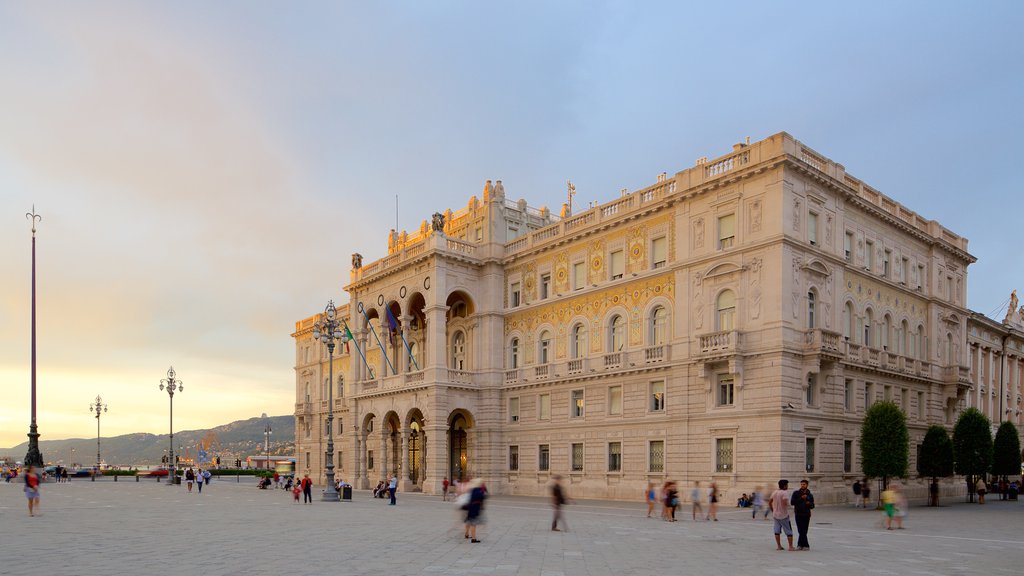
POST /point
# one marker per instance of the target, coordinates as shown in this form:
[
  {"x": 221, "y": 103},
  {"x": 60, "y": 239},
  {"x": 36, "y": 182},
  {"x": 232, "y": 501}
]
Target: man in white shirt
[{"x": 779, "y": 505}]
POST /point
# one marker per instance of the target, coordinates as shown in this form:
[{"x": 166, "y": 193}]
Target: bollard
[
  {"x": 115, "y": 477},
  {"x": 136, "y": 477}
]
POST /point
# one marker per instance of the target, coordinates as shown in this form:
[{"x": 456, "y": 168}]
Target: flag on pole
[
  {"x": 348, "y": 338},
  {"x": 392, "y": 325}
]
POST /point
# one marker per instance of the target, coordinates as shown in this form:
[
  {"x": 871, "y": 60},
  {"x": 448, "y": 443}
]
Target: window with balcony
[
  {"x": 659, "y": 252},
  {"x": 810, "y": 310},
  {"x": 848, "y": 329},
  {"x": 869, "y": 255},
  {"x": 616, "y": 334},
  {"x": 513, "y": 353},
  {"x": 576, "y": 407},
  {"x": 615, "y": 399},
  {"x": 544, "y": 348},
  {"x": 886, "y": 257},
  {"x": 811, "y": 396},
  {"x": 544, "y": 407},
  {"x": 726, "y": 389},
  {"x": 513, "y": 458},
  {"x": 659, "y": 326},
  {"x": 657, "y": 396},
  {"x": 726, "y": 231},
  {"x": 615, "y": 456},
  {"x": 723, "y": 455},
  {"x": 809, "y": 454},
  {"x": 616, "y": 264},
  {"x": 513, "y": 410},
  {"x": 848, "y": 247},
  {"x": 543, "y": 458},
  {"x": 726, "y": 319},
  {"x": 341, "y": 386},
  {"x": 459, "y": 351}
]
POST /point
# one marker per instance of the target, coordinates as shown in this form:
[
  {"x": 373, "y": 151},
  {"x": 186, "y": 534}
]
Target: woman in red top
[{"x": 32, "y": 489}]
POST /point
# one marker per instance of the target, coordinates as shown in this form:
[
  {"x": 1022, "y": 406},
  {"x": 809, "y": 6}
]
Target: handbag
[{"x": 462, "y": 500}]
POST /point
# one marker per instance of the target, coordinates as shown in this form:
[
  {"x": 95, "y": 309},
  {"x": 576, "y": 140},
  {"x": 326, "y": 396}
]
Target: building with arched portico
[{"x": 731, "y": 323}]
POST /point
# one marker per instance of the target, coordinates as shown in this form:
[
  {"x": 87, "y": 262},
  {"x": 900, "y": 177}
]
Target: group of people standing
[
  {"x": 669, "y": 498},
  {"x": 199, "y": 477},
  {"x": 802, "y": 502}
]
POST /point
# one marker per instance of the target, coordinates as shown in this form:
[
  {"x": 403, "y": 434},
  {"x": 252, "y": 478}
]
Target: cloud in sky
[{"x": 205, "y": 170}]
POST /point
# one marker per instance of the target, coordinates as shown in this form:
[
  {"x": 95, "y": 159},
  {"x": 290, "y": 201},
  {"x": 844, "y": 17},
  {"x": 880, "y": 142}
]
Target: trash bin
[
  {"x": 346, "y": 493},
  {"x": 1013, "y": 492},
  {"x": 177, "y": 479}
]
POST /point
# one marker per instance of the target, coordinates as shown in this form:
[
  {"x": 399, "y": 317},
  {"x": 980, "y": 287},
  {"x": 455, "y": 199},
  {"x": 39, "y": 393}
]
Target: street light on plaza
[
  {"x": 34, "y": 457},
  {"x": 327, "y": 330},
  {"x": 172, "y": 384},
  {"x": 99, "y": 407}
]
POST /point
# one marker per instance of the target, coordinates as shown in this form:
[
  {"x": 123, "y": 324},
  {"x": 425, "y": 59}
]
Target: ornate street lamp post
[
  {"x": 34, "y": 457},
  {"x": 172, "y": 384},
  {"x": 99, "y": 407},
  {"x": 267, "y": 431},
  {"x": 327, "y": 330}
]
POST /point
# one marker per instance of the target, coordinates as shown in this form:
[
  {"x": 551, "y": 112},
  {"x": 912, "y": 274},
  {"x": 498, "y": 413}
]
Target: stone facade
[{"x": 728, "y": 323}]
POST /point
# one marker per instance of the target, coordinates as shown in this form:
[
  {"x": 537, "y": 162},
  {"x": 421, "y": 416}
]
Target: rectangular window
[
  {"x": 543, "y": 458},
  {"x": 812, "y": 397},
  {"x": 848, "y": 396},
  {"x": 515, "y": 295},
  {"x": 576, "y": 408},
  {"x": 725, "y": 390},
  {"x": 369, "y": 459},
  {"x": 887, "y": 393},
  {"x": 920, "y": 406},
  {"x": 848, "y": 246},
  {"x": 656, "y": 456},
  {"x": 812, "y": 228},
  {"x": 869, "y": 255},
  {"x": 847, "y": 456},
  {"x": 949, "y": 288},
  {"x": 869, "y": 395},
  {"x": 615, "y": 400},
  {"x": 886, "y": 257},
  {"x": 545, "y": 286},
  {"x": 309, "y": 464},
  {"x": 513, "y": 410},
  {"x": 614, "y": 456},
  {"x": 659, "y": 252},
  {"x": 338, "y": 462},
  {"x": 723, "y": 455},
  {"x": 513, "y": 458},
  {"x": 726, "y": 231},
  {"x": 905, "y": 271},
  {"x": 579, "y": 275},
  {"x": 905, "y": 400},
  {"x": 657, "y": 396},
  {"x": 809, "y": 454},
  {"x": 577, "y": 457},
  {"x": 617, "y": 264},
  {"x": 544, "y": 407}
]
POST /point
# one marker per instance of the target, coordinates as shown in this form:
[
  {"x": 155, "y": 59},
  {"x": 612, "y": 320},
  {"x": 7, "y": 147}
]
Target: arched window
[
  {"x": 848, "y": 331},
  {"x": 919, "y": 343},
  {"x": 579, "y": 341},
  {"x": 459, "y": 351},
  {"x": 726, "y": 311},
  {"x": 659, "y": 326},
  {"x": 513, "y": 349},
  {"x": 904, "y": 340},
  {"x": 341, "y": 386},
  {"x": 616, "y": 334},
  {"x": 810, "y": 310},
  {"x": 885, "y": 331},
  {"x": 544, "y": 355},
  {"x": 867, "y": 326}
]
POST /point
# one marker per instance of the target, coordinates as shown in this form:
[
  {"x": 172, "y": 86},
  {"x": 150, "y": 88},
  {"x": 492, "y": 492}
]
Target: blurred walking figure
[
  {"x": 32, "y": 489},
  {"x": 981, "y": 489},
  {"x": 199, "y": 480},
  {"x": 307, "y": 489},
  {"x": 857, "y": 498},
  {"x": 888, "y": 507},
  {"x": 900, "y": 504},
  {"x": 713, "y": 502},
  {"x": 758, "y": 500},
  {"x": 475, "y": 508},
  {"x": 558, "y": 500},
  {"x": 444, "y": 489},
  {"x": 190, "y": 477},
  {"x": 651, "y": 496},
  {"x": 695, "y": 498}
]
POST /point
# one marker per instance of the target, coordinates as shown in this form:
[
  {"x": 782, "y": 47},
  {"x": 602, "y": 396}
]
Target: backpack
[{"x": 856, "y": 488}]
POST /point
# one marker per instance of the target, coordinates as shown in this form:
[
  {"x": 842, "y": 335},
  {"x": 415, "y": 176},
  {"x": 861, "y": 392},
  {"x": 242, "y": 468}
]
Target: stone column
[
  {"x": 404, "y": 352},
  {"x": 386, "y": 344},
  {"x": 362, "y": 458},
  {"x": 436, "y": 343},
  {"x": 406, "y": 484},
  {"x": 357, "y": 475},
  {"x": 435, "y": 461},
  {"x": 384, "y": 451}
]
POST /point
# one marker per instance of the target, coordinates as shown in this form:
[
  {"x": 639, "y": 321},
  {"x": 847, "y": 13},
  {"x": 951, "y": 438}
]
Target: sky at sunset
[{"x": 204, "y": 170}]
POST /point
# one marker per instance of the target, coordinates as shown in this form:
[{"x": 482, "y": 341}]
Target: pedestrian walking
[
  {"x": 190, "y": 477},
  {"x": 713, "y": 502},
  {"x": 888, "y": 507},
  {"x": 865, "y": 492},
  {"x": 199, "y": 480},
  {"x": 307, "y": 490},
  {"x": 758, "y": 502},
  {"x": 803, "y": 503},
  {"x": 651, "y": 496},
  {"x": 444, "y": 489},
  {"x": 206, "y": 476},
  {"x": 558, "y": 499},
  {"x": 695, "y": 499},
  {"x": 981, "y": 489},
  {"x": 297, "y": 491},
  {"x": 899, "y": 502},
  {"x": 475, "y": 508},
  {"x": 856, "y": 494},
  {"x": 392, "y": 488},
  {"x": 778, "y": 503},
  {"x": 671, "y": 501},
  {"x": 32, "y": 480}
]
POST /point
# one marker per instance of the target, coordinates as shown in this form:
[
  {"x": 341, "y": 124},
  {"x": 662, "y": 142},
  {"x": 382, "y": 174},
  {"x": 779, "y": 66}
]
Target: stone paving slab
[{"x": 231, "y": 528}]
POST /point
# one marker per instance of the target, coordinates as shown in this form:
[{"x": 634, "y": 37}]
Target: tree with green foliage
[
  {"x": 935, "y": 459},
  {"x": 885, "y": 442},
  {"x": 1006, "y": 453},
  {"x": 972, "y": 447}
]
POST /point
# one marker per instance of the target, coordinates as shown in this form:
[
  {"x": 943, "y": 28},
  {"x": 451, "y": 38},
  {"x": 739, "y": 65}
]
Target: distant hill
[{"x": 238, "y": 439}]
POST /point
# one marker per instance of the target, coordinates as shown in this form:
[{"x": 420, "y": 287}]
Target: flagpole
[
  {"x": 391, "y": 319},
  {"x": 356, "y": 344},
  {"x": 384, "y": 352}
]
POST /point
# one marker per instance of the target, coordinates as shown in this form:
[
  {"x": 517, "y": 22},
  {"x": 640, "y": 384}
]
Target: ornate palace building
[{"x": 731, "y": 322}]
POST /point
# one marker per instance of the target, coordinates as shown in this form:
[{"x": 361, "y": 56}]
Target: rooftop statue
[
  {"x": 357, "y": 261},
  {"x": 437, "y": 222},
  {"x": 1011, "y": 311}
]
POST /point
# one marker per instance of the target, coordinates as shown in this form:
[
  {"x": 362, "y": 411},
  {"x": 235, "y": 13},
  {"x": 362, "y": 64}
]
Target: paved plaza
[{"x": 149, "y": 528}]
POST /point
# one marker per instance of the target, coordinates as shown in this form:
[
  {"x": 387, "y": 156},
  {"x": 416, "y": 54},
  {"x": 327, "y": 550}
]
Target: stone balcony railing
[
  {"x": 303, "y": 407},
  {"x": 659, "y": 353},
  {"x": 822, "y": 341},
  {"x": 720, "y": 343}
]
